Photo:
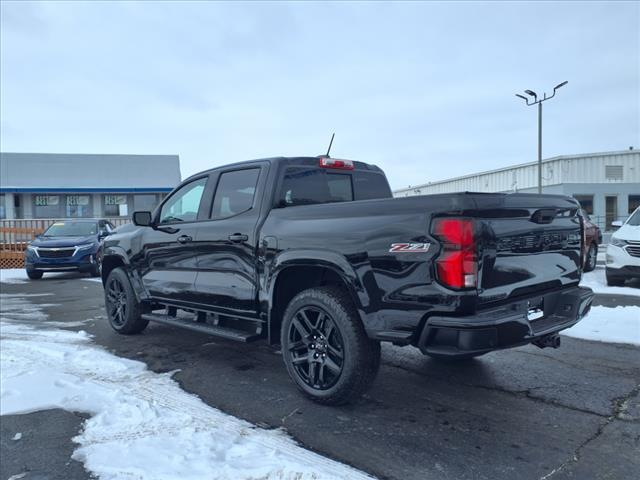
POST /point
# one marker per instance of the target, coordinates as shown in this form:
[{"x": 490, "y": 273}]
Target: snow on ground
[
  {"x": 597, "y": 281},
  {"x": 143, "y": 424},
  {"x": 615, "y": 325},
  {"x": 13, "y": 275},
  {"x": 18, "y": 275}
]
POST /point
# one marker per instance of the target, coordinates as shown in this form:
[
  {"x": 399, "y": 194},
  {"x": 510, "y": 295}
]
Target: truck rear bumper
[{"x": 511, "y": 325}]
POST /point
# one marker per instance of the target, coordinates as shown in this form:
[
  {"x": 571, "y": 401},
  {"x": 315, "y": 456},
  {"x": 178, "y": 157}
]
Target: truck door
[
  {"x": 227, "y": 242},
  {"x": 168, "y": 266}
]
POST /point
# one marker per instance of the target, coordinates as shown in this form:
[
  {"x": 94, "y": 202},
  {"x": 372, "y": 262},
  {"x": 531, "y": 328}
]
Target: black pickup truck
[{"x": 313, "y": 254}]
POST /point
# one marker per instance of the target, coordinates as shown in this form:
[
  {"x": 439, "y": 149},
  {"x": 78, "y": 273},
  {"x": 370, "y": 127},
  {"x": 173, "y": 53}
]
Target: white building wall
[{"x": 589, "y": 168}]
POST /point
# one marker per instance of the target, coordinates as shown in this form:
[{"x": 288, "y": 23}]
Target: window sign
[
  {"x": 46, "y": 200},
  {"x": 77, "y": 200},
  {"x": 115, "y": 199}
]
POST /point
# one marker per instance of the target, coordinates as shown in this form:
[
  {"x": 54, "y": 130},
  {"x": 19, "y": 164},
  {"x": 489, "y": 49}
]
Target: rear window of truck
[{"x": 309, "y": 186}]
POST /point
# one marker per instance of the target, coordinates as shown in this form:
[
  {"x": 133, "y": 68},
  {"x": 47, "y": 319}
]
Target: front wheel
[
  {"x": 123, "y": 309},
  {"x": 325, "y": 347},
  {"x": 614, "y": 281},
  {"x": 96, "y": 268},
  {"x": 34, "y": 274},
  {"x": 592, "y": 258}
]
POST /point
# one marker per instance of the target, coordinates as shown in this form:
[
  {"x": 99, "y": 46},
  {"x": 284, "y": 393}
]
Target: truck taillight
[
  {"x": 457, "y": 265},
  {"x": 326, "y": 162}
]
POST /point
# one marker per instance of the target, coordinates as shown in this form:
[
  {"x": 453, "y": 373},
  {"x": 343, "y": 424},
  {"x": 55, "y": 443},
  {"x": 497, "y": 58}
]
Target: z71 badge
[{"x": 410, "y": 247}]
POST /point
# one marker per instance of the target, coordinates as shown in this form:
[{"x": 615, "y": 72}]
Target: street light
[{"x": 535, "y": 101}]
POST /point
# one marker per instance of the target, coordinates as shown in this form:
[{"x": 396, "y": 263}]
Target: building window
[
  {"x": 634, "y": 202},
  {"x": 144, "y": 202},
  {"x": 614, "y": 172},
  {"x": 78, "y": 206},
  {"x": 46, "y": 206},
  {"x": 611, "y": 211},
  {"x": 115, "y": 206},
  {"x": 586, "y": 202},
  {"x": 3, "y": 208}
]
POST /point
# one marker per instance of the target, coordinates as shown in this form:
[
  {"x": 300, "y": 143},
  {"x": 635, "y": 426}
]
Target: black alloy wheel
[
  {"x": 316, "y": 347},
  {"x": 116, "y": 301},
  {"x": 325, "y": 347},
  {"x": 123, "y": 309}
]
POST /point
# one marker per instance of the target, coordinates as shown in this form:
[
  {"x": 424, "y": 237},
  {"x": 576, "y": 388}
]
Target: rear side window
[
  {"x": 370, "y": 185},
  {"x": 235, "y": 193},
  {"x": 309, "y": 186}
]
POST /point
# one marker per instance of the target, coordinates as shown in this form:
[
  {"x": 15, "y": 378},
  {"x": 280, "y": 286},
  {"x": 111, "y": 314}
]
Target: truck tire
[
  {"x": 325, "y": 347},
  {"x": 123, "y": 309}
]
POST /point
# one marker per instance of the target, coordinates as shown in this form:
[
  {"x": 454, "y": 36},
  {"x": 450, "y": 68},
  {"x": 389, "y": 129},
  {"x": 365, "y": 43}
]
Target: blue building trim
[{"x": 86, "y": 190}]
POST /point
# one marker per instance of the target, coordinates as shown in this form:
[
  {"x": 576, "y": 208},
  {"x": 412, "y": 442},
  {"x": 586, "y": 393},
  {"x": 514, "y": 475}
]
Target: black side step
[{"x": 224, "y": 332}]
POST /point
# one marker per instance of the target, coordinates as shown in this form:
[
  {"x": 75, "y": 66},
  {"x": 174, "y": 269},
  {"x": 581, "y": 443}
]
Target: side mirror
[
  {"x": 142, "y": 219},
  {"x": 617, "y": 223},
  {"x": 103, "y": 233}
]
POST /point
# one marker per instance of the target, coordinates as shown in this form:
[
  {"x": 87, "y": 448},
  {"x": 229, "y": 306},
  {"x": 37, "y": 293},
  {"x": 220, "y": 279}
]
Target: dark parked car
[
  {"x": 314, "y": 254},
  {"x": 68, "y": 245},
  {"x": 592, "y": 238}
]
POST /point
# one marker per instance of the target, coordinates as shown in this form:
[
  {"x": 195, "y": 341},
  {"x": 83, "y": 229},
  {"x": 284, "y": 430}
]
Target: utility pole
[{"x": 535, "y": 101}]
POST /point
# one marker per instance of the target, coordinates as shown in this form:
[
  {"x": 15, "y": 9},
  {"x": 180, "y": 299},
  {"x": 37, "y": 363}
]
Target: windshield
[
  {"x": 72, "y": 229},
  {"x": 635, "y": 219}
]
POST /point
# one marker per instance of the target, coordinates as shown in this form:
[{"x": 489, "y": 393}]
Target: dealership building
[
  {"x": 606, "y": 184},
  {"x": 52, "y": 185}
]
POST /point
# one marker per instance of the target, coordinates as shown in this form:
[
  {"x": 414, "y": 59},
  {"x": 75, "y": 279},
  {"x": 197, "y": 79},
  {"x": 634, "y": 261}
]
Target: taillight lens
[{"x": 457, "y": 265}]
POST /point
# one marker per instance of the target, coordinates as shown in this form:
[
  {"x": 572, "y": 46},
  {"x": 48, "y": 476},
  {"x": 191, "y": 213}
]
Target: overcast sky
[{"x": 424, "y": 90}]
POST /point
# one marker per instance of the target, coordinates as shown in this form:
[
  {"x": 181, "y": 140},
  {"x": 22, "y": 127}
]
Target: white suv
[{"x": 623, "y": 251}]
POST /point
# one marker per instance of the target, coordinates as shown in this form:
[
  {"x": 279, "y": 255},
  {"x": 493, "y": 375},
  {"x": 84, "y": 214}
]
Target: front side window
[
  {"x": 183, "y": 205},
  {"x": 235, "y": 193}
]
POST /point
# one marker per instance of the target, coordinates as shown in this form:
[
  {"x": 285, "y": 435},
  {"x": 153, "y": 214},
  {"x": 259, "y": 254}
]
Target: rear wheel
[
  {"x": 614, "y": 281},
  {"x": 592, "y": 258},
  {"x": 325, "y": 347},
  {"x": 96, "y": 269},
  {"x": 123, "y": 309},
  {"x": 34, "y": 274}
]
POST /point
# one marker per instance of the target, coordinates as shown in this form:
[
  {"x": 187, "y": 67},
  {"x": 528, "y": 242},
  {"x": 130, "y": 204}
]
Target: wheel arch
[{"x": 293, "y": 275}]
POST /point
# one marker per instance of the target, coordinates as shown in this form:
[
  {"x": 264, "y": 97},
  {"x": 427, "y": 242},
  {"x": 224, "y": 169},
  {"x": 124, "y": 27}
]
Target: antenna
[{"x": 330, "y": 143}]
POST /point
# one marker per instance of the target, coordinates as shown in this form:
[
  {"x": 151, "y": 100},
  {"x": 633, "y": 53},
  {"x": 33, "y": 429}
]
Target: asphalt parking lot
[{"x": 538, "y": 414}]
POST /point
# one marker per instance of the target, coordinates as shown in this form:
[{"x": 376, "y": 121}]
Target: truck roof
[{"x": 310, "y": 161}]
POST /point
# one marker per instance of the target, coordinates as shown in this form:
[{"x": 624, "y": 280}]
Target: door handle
[
  {"x": 184, "y": 239},
  {"x": 238, "y": 237}
]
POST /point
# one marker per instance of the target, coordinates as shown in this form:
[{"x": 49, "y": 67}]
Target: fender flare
[
  {"x": 116, "y": 251},
  {"x": 316, "y": 258}
]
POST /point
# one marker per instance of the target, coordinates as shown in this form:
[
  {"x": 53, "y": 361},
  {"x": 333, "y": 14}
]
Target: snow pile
[
  {"x": 143, "y": 425},
  {"x": 597, "y": 281},
  {"x": 13, "y": 275},
  {"x": 615, "y": 325}
]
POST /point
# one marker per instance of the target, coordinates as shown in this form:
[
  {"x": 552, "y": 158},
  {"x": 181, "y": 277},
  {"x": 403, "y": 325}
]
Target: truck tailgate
[{"x": 529, "y": 244}]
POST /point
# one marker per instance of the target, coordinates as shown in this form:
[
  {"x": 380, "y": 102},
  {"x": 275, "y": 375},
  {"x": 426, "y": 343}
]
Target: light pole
[{"x": 535, "y": 101}]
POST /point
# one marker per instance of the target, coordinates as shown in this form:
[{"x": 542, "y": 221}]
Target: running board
[{"x": 218, "y": 331}]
